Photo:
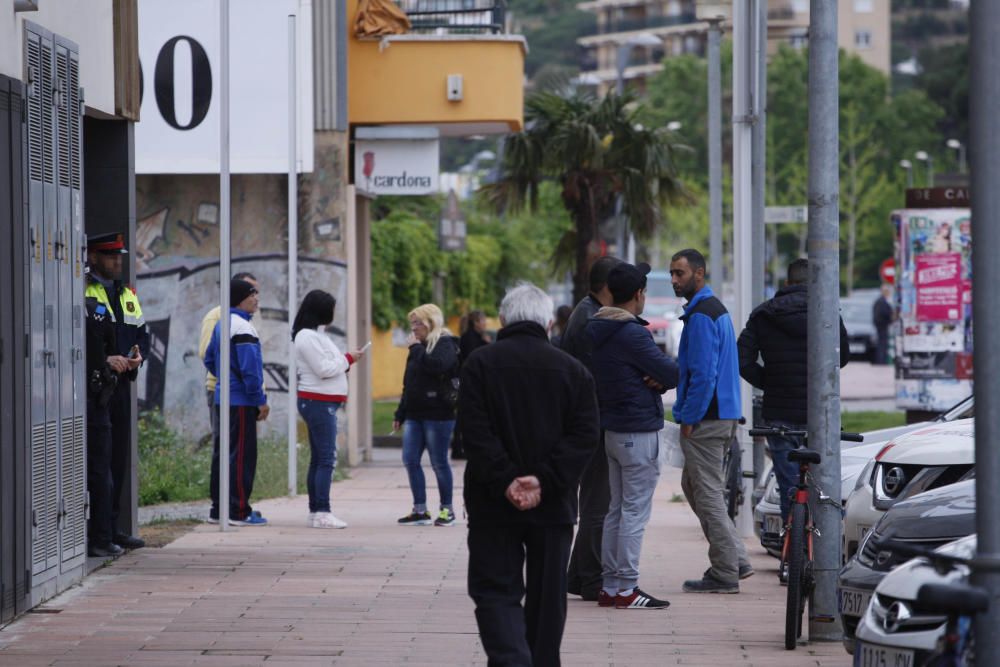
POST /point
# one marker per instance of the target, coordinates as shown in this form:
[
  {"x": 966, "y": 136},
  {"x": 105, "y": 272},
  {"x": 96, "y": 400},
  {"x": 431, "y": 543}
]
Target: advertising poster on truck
[{"x": 933, "y": 281}]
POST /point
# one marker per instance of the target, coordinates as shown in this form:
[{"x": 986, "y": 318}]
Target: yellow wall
[{"x": 405, "y": 81}]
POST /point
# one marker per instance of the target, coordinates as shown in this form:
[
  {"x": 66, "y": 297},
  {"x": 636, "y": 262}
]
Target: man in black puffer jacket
[
  {"x": 528, "y": 416},
  {"x": 776, "y": 331}
]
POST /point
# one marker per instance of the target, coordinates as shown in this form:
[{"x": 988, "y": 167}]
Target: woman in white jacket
[{"x": 322, "y": 374}]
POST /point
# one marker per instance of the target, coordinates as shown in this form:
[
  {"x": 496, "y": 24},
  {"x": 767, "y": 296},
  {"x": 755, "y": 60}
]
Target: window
[
  {"x": 862, "y": 39},
  {"x": 799, "y": 41},
  {"x": 864, "y": 6},
  {"x": 800, "y": 6}
]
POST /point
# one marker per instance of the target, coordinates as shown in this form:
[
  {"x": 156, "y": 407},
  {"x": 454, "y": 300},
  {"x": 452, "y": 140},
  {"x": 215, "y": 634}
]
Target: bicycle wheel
[{"x": 796, "y": 571}]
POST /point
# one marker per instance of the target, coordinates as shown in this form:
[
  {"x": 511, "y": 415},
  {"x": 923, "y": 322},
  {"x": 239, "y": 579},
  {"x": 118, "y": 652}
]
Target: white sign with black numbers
[{"x": 180, "y": 69}]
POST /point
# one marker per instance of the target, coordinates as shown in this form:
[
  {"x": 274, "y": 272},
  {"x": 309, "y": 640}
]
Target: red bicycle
[{"x": 797, "y": 550}]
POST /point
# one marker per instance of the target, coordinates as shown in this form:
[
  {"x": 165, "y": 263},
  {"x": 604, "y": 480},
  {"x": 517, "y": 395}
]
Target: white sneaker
[
  {"x": 309, "y": 521},
  {"x": 327, "y": 520}
]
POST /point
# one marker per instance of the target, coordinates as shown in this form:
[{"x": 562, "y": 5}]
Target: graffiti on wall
[{"x": 175, "y": 301}]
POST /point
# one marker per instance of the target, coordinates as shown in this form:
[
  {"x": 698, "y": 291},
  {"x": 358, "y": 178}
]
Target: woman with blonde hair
[{"x": 426, "y": 411}]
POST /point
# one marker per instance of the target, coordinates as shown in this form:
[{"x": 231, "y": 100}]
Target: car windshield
[
  {"x": 962, "y": 410},
  {"x": 658, "y": 286},
  {"x": 854, "y": 311}
]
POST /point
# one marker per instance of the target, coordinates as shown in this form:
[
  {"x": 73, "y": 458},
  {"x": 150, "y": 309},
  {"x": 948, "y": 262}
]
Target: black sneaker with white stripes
[{"x": 637, "y": 599}]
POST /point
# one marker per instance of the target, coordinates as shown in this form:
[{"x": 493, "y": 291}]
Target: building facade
[{"x": 636, "y": 35}]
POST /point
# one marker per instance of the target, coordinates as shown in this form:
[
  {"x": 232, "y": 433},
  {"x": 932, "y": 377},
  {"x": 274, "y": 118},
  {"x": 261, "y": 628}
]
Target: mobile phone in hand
[{"x": 134, "y": 352}]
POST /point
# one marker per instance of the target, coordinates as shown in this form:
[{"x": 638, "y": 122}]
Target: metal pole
[
  {"x": 743, "y": 64},
  {"x": 293, "y": 260},
  {"x": 224, "y": 265},
  {"x": 962, "y": 165},
  {"x": 715, "y": 260},
  {"x": 930, "y": 171},
  {"x": 823, "y": 316},
  {"x": 984, "y": 53},
  {"x": 624, "y": 51},
  {"x": 757, "y": 178}
]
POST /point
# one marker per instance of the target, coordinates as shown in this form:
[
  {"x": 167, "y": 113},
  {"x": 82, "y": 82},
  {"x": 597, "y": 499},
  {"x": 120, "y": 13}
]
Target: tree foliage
[
  {"x": 876, "y": 131},
  {"x": 596, "y": 150}
]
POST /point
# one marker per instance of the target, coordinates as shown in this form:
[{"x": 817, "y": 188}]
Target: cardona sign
[{"x": 396, "y": 166}]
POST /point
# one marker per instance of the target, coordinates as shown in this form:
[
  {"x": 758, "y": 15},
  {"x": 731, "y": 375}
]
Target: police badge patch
[{"x": 129, "y": 306}]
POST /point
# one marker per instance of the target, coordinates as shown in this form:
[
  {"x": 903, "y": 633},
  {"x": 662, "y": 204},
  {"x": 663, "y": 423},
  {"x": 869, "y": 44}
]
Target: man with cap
[
  {"x": 631, "y": 373},
  {"x": 248, "y": 404},
  {"x": 584, "y": 575},
  {"x": 105, "y": 256},
  {"x": 708, "y": 410}
]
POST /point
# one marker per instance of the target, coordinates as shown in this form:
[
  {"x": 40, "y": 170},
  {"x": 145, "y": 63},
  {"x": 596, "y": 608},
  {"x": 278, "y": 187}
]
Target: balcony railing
[
  {"x": 629, "y": 25},
  {"x": 449, "y": 17}
]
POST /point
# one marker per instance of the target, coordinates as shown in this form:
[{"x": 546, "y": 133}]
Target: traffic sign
[
  {"x": 779, "y": 214},
  {"x": 887, "y": 271}
]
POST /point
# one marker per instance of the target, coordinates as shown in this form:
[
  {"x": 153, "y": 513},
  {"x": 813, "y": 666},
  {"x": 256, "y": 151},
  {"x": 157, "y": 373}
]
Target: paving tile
[{"x": 380, "y": 594}]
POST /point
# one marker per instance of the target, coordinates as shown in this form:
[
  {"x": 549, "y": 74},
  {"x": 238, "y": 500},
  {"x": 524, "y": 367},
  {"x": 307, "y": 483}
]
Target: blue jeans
[
  {"x": 785, "y": 472},
  {"x": 434, "y": 436},
  {"x": 321, "y": 418}
]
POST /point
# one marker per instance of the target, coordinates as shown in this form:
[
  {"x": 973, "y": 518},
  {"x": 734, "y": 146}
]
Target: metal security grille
[
  {"x": 74, "y": 522},
  {"x": 75, "y": 160},
  {"x": 35, "y": 139}
]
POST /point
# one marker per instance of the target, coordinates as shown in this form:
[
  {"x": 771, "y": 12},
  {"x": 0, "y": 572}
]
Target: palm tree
[{"x": 597, "y": 150}]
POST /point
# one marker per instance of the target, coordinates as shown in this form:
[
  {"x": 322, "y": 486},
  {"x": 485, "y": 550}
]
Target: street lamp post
[
  {"x": 924, "y": 156},
  {"x": 908, "y": 166},
  {"x": 624, "y": 52},
  {"x": 960, "y": 147}
]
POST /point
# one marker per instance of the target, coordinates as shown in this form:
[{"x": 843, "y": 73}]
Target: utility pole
[
  {"x": 984, "y": 21},
  {"x": 225, "y": 261},
  {"x": 293, "y": 259},
  {"x": 824, "y": 318},
  {"x": 716, "y": 262},
  {"x": 758, "y": 174},
  {"x": 744, "y": 22}
]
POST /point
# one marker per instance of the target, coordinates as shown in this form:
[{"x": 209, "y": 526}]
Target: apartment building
[{"x": 643, "y": 32}]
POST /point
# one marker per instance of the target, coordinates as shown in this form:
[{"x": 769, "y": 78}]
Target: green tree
[{"x": 595, "y": 150}]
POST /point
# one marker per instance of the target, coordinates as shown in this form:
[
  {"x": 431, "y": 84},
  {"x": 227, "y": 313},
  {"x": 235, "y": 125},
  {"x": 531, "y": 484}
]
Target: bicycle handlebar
[{"x": 781, "y": 430}]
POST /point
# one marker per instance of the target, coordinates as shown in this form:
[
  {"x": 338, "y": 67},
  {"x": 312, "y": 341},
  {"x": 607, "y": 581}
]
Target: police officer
[
  {"x": 105, "y": 254},
  {"x": 103, "y": 366}
]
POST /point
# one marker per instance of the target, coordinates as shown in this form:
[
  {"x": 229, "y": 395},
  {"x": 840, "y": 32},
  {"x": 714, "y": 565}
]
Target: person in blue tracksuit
[
  {"x": 247, "y": 404},
  {"x": 708, "y": 410}
]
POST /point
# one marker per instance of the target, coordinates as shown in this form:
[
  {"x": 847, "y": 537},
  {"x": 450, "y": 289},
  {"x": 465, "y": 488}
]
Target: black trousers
[
  {"x": 120, "y": 410},
  {"x": 516, "y": 636},
  {"x": 100, "y": 527},
  {"x": 595, "y": 495},
  {"x": 242, "y": 462}
]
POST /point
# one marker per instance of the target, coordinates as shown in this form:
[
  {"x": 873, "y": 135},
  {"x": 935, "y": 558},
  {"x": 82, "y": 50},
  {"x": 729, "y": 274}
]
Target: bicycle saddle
[
  {"x": 953, "y": 598},
  {"x": 803, "y": 456}
]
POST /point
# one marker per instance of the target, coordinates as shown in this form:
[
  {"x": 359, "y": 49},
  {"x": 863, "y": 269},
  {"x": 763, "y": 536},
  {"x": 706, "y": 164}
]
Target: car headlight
[
  {"x": 865, "y": 475},
  {"x": 772, "y": 495}
]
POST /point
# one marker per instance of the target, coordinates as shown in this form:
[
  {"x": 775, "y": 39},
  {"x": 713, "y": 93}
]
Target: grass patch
[
  {"x": 173, "y": 470},
  {"x": 859, "y": 422},
  {"x": 382, "y": 415},
  {"x": 678, "y": 498}
]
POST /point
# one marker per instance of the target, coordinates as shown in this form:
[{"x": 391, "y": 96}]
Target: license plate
[
  {"x": 853, "y": 602},
  {"x": 871, "y": 655},
  {"x": 772, "y": 524},
  {"x": 857, "y": 348}
]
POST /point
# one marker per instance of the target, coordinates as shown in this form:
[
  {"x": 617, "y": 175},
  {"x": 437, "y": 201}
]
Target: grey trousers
[
  {"x": 633, "y": 470},
  {"x": 702, "y": 482}
]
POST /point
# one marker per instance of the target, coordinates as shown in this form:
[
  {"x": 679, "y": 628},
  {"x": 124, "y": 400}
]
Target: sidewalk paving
[{"x": 380, "y": 594}]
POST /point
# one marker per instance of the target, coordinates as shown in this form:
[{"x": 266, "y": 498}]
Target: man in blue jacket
[
  {"x": 247, "y": 404},
  {"x": 708, "y": 410},
  {"x": 631, "y": 373}
]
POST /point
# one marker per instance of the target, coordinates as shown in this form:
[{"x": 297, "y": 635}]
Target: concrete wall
[
  {"x": 177, "y": 246},
  {"x": 89, "y": 23}
]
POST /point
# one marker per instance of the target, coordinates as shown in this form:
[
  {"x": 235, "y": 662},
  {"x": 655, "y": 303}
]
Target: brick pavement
[{"x": 380, "y": 594}]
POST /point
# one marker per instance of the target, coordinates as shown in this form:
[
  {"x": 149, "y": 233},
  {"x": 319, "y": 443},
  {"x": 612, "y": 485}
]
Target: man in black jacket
[
  {"x": 776, "y": 331},
  {"x": 528, "y": 416},
  {"x": 584, "y": 577}
]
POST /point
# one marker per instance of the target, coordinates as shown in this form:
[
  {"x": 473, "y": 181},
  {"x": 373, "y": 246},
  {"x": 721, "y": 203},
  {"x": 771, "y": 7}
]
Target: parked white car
[
  {"x": 894, "y": 630},
  {"x": 925, "y": 459}
]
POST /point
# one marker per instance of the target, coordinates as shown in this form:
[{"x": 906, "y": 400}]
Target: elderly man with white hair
[{"x": 528, "y": 417}]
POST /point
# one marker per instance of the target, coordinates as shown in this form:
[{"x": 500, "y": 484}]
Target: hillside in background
[{"x": 552, "y": 27}]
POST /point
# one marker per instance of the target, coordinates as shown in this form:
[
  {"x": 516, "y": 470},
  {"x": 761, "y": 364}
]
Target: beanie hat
[{"x": 239, "y": 290}]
